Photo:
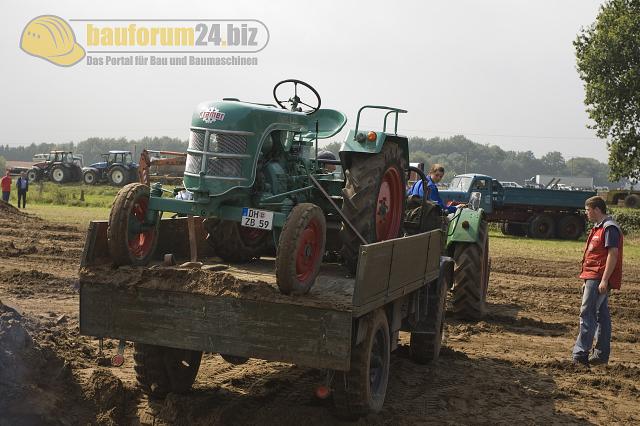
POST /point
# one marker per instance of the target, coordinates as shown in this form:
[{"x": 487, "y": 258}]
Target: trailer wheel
[
  {"x": 471, "y": 276},
  {"x": 89, "y": 177},
  {"x": 118, "y": 176},
  {"x": 300, "y": 249},
  {"x": 542, "y": 226},
  {"x": 161, "y": 370},
  {"x": 363, "y": 388},
  {"x": 132, "y": 239},
  {"x": 570, "y": 227},
  {"x": 373, "y": 199},
  {"x": 426, "y": 339},
  {"x": 235, "y": 243},
  {"x": 59, "y": 174},
  {"x": 632, "y": 201}
]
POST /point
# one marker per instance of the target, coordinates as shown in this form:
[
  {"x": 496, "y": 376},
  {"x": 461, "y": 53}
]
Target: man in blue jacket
[
  {"x": 22, "y": 184},
  {"x": 436, "y": 172}
]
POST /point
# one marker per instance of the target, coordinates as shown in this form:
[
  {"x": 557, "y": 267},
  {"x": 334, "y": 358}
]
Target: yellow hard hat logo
[{"x": 50, "y": 37}]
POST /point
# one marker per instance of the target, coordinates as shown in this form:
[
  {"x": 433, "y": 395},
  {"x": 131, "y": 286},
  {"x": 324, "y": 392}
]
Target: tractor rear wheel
[
  {"x": 235, "y": 243},
  {"x": 363, "y": 388},
  {"x": 118, "y": 176},
  {"x": 471, "y": 276},
  {"x": 542, "y": 226},
  {"x": 632, "y": 201},
  {"x": 59, "y": 174},
  {"x": 570, "y": 227},
  {"x": 132, "y": 239},
  {"x": 161, "y": 370},
  {"x": 89, "y": 177},
  {"x": 373, "y": 199},
  {"x": 300, "y": 249}
]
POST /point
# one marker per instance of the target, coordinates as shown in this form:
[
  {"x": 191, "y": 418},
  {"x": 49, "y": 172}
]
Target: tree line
[{"x": 457, "y": 154}]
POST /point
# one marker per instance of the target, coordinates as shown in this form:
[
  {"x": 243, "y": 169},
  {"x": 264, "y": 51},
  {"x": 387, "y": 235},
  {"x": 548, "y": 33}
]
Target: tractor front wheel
[
  {"x": 373, "y": 199},
  {"x": 300, "y": 249},
  {"x": 89, "y": 177},
  {"x": 161, "y": 370},
  {"x": 132, "y": 235},
  {"x": 34, "y": 175},
  {"x": 471, "y": 276},
  {"x": 632, "y": 201}
]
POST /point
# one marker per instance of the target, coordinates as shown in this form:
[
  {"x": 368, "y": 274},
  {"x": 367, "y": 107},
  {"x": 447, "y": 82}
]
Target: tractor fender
[
  {"x": 464, "y": 227},
  {"x": 93, "y": 169},
  {"x": 350, "y": 145}
]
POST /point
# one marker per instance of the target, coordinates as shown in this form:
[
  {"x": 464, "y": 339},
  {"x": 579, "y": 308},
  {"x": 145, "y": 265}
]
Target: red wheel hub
[
  {"x": 140, "y": 243},
  {"x": 308, "y": 251},
  {"x": 389, "y": 205}
]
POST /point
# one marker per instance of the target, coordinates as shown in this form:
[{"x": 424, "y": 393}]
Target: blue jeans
[
  {"x": 5, "y": 196},
  {"x": 595, "y": 320}
]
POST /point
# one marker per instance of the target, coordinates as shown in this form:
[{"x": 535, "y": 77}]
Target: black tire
[
  {"x": 471, "y": 277},
  {"x": 127, "y": 246},
  {"x": 234, "y": 243},
  {"x": 59, "y": 174},
  {"x": 426, "y": 339},
  {"x": 34, "y": 175},
  {"x": 542, "y": 226},
  {"x": 235, "y": 360},
  {"x": 300, "y": 249},
  {"x": 118, "y": 176},
  {"x": 161, "y": 370},
  {"x": 632, "y": 201},
  {"x": 89, "y": 177},
  {"x": 515, "y": 229},
  {"x": 570, "y": 227},
  {"x": 364, "y": 179},
  {"x": 363, "y": 388}
]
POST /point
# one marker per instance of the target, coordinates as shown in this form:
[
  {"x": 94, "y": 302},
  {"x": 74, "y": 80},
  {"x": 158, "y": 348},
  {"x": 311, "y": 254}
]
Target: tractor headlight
[{"x": 360, "y": 137}]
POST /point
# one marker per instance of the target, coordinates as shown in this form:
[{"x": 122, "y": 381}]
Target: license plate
[{"x": 254, "y": 218}]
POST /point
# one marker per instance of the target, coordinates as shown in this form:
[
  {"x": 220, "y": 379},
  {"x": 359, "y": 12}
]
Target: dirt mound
[
  {"x": 108, "y": 394},
  {"x": 37, "y": 385},
  {"x": 6, "y": 208}
]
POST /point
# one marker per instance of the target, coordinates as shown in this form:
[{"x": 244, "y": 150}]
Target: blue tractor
[{"x": 117, "y": 168}]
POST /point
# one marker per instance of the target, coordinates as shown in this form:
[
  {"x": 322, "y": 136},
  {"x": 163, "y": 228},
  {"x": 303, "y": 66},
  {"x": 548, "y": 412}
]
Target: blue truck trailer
[{"x": 537, "y": 213}]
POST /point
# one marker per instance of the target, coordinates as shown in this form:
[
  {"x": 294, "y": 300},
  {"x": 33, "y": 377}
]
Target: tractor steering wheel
[{"x": 294, "y": 101}]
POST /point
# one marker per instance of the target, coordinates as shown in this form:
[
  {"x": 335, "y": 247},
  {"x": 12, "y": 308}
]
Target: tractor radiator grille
[
  {"x": 219, "y": 143},
  {"x": 196, "y": 140},
  {"x": 194, "y": 164}
]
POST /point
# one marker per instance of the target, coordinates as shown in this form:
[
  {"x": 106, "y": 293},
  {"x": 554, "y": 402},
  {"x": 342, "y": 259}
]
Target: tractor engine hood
[{"x": 226, "y": 138}]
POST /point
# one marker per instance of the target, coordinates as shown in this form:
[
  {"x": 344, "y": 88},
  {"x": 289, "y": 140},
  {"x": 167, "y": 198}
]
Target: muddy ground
[{"x": 512, "y": 367}]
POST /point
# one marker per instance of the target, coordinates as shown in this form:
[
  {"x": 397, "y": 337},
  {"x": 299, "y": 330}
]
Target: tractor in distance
[
  {"x": 57, "y": 166},
  {"x": 116, "y": 168}
]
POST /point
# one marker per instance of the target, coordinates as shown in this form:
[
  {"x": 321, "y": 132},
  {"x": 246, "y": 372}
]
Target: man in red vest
[{"x": 601, "y": 271}]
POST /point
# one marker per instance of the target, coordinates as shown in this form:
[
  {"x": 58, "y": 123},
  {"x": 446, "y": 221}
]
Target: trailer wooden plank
[{"x": 298, "y": 334}]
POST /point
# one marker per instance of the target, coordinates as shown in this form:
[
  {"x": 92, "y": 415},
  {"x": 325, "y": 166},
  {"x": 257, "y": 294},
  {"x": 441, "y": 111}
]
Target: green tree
[
  {"x": 3, "y": 165},
  {"x": 553, "y": 162},
  {"x": 608, "y": 60}
]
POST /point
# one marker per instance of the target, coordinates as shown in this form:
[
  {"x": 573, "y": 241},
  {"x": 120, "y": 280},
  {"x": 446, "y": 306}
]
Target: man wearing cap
[
  {"x": 327, "y": 155},
  {"x": 22, "y": 184},
  {"x": 5, "y": 183},
  {"x": 601, "y": 271}
]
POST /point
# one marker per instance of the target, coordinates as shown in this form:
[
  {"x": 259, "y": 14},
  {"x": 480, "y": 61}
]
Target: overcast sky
[{"x": 499, "y": 72}]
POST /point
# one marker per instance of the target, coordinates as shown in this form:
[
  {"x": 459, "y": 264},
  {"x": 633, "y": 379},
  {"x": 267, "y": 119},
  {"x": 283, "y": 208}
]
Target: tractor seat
[{"x": 330, "y": 122}]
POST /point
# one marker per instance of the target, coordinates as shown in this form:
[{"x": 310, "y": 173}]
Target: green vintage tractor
[{"x": 252, "y": 172}]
